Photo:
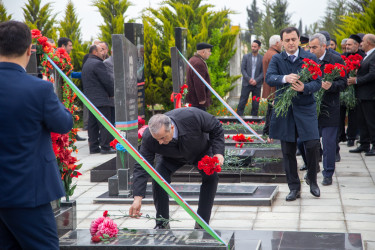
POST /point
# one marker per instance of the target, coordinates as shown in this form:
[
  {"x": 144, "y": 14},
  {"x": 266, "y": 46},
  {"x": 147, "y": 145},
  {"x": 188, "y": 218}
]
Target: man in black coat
[
  {"x": 181, "y": 136},
  {"x": 352, "y": 48},
  {"x": 329, "y": 116},
  {"x": 99, "y": 88},
  {"x": 365, "y": 93}
]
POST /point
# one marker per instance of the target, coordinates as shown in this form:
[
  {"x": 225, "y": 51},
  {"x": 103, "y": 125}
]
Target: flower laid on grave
[
  {"x": 180, "y": 97},
  {"x": 242, "y": 138},
  {"x": 209, "y": 165},
  {"x": 310, "y": 70},
  {"x": 352, "y": 64},
  {"x": 141, "y": 128},
  {"x": 63, "y": 145},
  {"x": 103, "y": 228},
  {"x": 331, "y": 72},
  {"x": 239, "y": 145},
  {"x": 119, "y": 148}
]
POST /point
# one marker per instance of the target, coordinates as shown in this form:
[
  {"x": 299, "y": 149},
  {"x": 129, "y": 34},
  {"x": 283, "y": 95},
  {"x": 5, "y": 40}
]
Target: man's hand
[
  {"x": 252, "y": 82},
  {"x": 221, "y": 159},
  {"x": 352, "y": 80},
  {"x": 291, "y": 78},
  {"x": 269, "y": 140},
  {"x": 326, "y": 85},
  {"x": 202, "y": 102},
  {"x": 298, "y": 86},
  {"x": 135, "y": 208}
]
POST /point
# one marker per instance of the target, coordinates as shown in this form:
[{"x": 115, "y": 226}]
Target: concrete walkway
[{"x": 347, "y": 206}]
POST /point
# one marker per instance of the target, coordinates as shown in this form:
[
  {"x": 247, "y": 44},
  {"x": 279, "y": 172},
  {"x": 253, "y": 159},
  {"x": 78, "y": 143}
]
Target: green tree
[
  {"x": 280, "y": 17},
  {"x": 40, "y": 17},
  {"x": 358, "y": 6},
  {"x": 253, "y": 16},
  {"x": 200, "y": 23},
  {"x": 3, "y": 13},
  {"x": 113, "y": 13},
  {"x": 354, "y": 23},
  {"x": 70, "y": 28},
  {"x": 335, "y": 10}
]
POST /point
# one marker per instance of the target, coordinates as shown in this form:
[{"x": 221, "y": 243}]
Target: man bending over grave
[{"x": 181, "y": 136}]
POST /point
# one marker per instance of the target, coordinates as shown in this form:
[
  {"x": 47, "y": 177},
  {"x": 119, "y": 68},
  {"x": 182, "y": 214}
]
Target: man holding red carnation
[
  {"x": 181, "y": 136},
  {"x": 364, "y": 85},
  {"x": 329, "y": 116},
  {"x": 300, "y": 119}
]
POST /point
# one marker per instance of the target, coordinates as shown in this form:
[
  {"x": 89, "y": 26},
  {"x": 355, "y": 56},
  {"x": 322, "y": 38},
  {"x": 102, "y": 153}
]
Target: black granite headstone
[
  {"x": 149, "y": 240},
  {"x": 126, "y": 107},
  {"x": 134, "y": 33}
]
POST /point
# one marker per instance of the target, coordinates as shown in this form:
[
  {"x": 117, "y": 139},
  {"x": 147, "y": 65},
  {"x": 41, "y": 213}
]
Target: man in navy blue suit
[{"x": 29, "y": 176}]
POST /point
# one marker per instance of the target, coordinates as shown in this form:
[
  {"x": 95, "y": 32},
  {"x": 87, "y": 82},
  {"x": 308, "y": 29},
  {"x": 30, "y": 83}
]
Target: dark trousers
[
  {"x": 352, "y": 130},
  {"x": 166, "y": 168},
  {"x": 96, "y": 130},
  {"x": 245, "y": 93},
  {"x": 329, "y": 141},
  {"x": 28, "y": 228},
  {"x": 266, "y": 128},
  {"x": 366, "y": 122},
  {"x": 290, "y": 162}
]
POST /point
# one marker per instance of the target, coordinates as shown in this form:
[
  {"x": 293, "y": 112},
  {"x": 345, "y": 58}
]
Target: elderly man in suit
[
  {"x": 329, "y": 117},
  {"x": 181, "y": 136},
  {"x": 301, "y": 119},
  {"x": 252, "y": 78},
  {"x": 364, "y": 85},
  {"x": 99, "y": 88},
  {"x": 29, "y": 175}
]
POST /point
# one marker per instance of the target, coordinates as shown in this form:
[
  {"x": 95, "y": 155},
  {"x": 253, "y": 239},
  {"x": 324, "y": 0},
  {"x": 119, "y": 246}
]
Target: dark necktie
[{"x": 291, "y": 58}]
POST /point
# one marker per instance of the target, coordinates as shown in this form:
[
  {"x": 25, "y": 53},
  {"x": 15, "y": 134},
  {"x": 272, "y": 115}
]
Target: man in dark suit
[
  {"x": 99, "y": 88},
  {"x": 329, "y": 116},
  {"x": 252, "y": 78},
  {"x": 29, "y": 175},
  {"x": 181, "y": 136},
  {"x": 301, "y": 119},
  {"x": 365, "y": 93}
]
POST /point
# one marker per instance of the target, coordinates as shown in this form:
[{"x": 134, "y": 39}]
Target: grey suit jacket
[
  {"x": 246, "y": 67},
  {"x": 109, "y": 65}
]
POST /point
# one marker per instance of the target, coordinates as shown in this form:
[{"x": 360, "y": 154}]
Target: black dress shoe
[
  {"x": 303, "y": 168},
  {"x": 350, "y": 143},
  {"x": 327, "y": 181},
  {"x": 293, "y": 195},
  {"x": 79, "y": 138},
  {"x": 314, "y": 189},
  {"x": 371, "y": 152},
  {"x": 108, "y": 151},
  {"x": 338, "y": 157},
  {"x": 161, "y": 226},
  {"x": 360, "y": 149},
  {"x": 306, "y": 179},
  {"x": 95, "y": 151}
]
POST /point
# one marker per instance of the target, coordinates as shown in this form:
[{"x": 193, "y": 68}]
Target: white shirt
[{"x": 296, "y": 55}]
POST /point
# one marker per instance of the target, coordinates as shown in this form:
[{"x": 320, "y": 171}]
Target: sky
[{"x": 309, "y": 11}]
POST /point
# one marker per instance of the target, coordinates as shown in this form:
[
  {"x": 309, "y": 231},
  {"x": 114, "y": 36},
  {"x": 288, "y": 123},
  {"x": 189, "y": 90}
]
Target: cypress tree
[{"x": 3, "y": 13}]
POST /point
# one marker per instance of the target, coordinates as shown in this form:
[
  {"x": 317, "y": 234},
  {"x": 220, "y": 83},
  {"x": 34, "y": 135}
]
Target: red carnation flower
[{"x": 95, "y": 238}]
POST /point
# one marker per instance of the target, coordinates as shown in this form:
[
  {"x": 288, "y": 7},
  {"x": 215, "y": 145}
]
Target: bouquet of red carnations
[
  {"x": 352, "y": 63},
  {"x": 209, "y": 165},
  {"x": 331, "y": 72},
  {"x": 310, "y": 70}
]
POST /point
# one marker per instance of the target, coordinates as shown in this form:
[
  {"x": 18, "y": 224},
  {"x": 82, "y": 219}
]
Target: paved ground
[{"x": 347, "y": 206}]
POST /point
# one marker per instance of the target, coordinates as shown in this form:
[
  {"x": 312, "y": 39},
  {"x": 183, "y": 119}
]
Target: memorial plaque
[
  {"x": 150, "y": 239},
  {"x": 134, "y": 33},
  {"x": 126, "y": 107}
]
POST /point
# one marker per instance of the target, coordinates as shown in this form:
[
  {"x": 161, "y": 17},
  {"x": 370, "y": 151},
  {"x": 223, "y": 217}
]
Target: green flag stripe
[{"x": 138, "y": 157}]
